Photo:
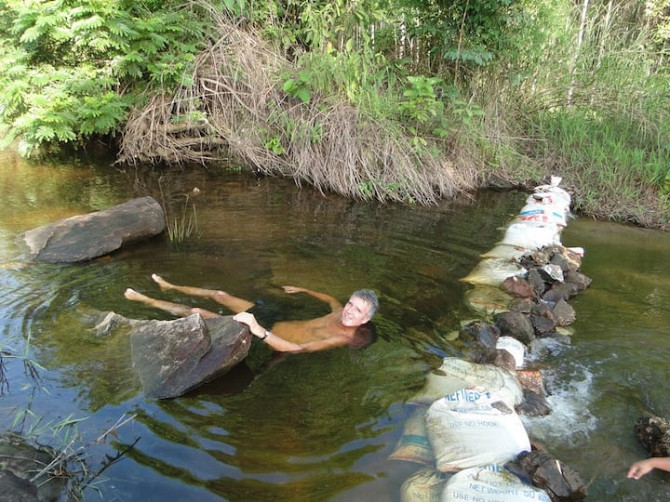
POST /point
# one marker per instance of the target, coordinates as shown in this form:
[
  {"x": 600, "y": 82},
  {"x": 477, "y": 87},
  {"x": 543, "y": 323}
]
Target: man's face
[{"x": 355, "y": 312}]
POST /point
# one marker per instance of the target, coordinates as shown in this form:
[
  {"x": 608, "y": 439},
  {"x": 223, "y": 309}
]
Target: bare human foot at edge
[
  {"x": 162, "y": 283},
  {"x": 131, "y": 294}
]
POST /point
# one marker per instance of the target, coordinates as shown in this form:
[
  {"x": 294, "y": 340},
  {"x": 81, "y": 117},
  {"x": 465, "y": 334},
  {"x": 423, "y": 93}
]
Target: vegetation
[{"x": 400, "y": 100}]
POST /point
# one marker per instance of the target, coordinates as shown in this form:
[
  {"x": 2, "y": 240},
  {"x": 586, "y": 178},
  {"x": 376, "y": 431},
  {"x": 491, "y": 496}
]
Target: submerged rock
[
  {"x": 84, "y": 237},
  {"x": 21, "y": 464},
  {"x": 173, "y": 357}
]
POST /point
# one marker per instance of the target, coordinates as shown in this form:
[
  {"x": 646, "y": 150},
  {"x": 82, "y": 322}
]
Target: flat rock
[{"x": 84, "y": 237}]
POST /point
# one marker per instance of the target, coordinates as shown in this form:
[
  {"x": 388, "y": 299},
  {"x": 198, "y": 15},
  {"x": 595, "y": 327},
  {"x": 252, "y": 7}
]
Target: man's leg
[
  {"x": 233, "y": 303},
  {"x": 172, "y": 308}
]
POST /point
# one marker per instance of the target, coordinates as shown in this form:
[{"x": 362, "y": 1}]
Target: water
[{"x": 312, "y": 426}]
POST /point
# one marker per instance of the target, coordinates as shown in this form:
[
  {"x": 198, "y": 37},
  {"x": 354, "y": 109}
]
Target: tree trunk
[{"x": 575, "y": 59}]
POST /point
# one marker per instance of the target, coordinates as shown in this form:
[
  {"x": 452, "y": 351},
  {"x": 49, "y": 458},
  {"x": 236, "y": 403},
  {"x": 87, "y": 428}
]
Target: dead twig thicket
[{"x": 237, "y": 108}]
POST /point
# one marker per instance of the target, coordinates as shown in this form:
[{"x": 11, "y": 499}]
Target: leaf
[{"x": 304, "y": 95}]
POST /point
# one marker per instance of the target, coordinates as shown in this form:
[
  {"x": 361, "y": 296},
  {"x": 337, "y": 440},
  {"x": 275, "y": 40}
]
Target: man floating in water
[{"x": 345, "y": 325}]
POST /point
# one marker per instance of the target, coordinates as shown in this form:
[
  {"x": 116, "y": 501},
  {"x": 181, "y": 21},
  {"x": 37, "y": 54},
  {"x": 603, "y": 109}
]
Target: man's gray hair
[{"x": 369, "y": 296}]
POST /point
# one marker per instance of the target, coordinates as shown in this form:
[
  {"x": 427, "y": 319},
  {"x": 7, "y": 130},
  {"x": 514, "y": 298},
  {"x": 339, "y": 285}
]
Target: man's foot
[
  {"x": 162, "y": 283},
  {"x": 131, "y": 294}
]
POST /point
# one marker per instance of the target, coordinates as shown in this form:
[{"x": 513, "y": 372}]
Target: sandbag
[
  {"x": 455, "y": 374},
  {"x": 505, "y": 251},
  {"x": 413, "y": 445},
  {"x": 491, "y": 483},
  {"x": 470, "y": 428},
  {"x": 425, "y": 485},
  {"x": 531, "y": 235},
  {"x": 493, "y": 271},
  {"x": 514, "y": 347},
  {"x": 544, "y": 213}
]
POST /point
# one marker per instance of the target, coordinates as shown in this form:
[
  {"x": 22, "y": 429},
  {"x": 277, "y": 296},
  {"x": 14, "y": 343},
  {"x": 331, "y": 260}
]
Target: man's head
[{"x": 360, "y": 308}]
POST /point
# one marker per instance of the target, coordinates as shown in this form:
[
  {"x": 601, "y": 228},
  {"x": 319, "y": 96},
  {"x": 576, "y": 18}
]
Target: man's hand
[
  {"x": 293, "y": 289},
  {"x": 249, "y": 319}
]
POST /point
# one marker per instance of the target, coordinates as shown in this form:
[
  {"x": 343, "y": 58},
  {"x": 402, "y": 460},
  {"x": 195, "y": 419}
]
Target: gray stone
[
  {"x": 537, "y": 282},
  {"x": 84, "y": 237},
  {"x": 580, "y": 281},
  {"x": 516, "y": 325},
  {"x": 543, "y": 320},
  {"x": 564, "y": 313},
  {"x": 522, "y": 305},
  {"x": 533, "y": 405},
  {"x": 561, "y": 483},
  {"x": 560, "y": 291},
  {"x": 173, "y": 357},
  {"x": 482, "y": 332}
]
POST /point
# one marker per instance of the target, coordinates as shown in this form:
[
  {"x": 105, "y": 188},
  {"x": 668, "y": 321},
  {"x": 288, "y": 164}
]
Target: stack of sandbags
[{"x": 539, "y": 224}]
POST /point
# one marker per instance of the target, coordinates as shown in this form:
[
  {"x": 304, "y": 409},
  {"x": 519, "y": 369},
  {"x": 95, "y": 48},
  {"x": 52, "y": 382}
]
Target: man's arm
[
  {"x": 281, "y": 345},
  {"x": 642, "y": 467},
  {"x": 333, "y": 302}
]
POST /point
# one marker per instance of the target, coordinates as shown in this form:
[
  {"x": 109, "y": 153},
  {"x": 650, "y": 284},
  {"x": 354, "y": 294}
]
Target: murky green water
[{"x": 314, "y": 426}]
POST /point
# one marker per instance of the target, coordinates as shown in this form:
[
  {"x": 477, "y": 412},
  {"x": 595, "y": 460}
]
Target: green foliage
[
  {"x": 421, "y": 101},
  {"x": 298, "y": 87},
  {"x": 70, "y": 70}
]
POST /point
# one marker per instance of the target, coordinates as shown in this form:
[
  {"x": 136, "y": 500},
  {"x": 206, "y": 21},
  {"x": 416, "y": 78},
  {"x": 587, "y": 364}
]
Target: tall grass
[{"x": 597, "y": 114}]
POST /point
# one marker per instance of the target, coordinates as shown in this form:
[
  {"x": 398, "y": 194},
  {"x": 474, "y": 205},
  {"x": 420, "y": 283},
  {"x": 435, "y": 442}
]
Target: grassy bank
[{"x": 402, "y": 101}]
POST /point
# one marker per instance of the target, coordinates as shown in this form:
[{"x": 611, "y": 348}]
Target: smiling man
[{"x": 345, "y": 325}]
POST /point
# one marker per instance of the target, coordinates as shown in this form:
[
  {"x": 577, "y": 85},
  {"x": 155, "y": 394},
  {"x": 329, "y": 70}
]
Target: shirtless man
[{"x": 343, "y": 326}]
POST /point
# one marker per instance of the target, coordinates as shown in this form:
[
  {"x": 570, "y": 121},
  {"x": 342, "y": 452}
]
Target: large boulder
[
  {"x": 84, "y": 237},
  {"x": 173, "y": 357}
]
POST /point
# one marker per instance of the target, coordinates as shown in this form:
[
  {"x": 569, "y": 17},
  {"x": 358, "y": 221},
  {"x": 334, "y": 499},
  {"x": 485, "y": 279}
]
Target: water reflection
[{"x": 314, "y": 426}]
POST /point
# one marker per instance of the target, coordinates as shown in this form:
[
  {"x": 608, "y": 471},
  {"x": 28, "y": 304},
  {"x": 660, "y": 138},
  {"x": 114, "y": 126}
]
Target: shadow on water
[{"x": 313, "y": 426}]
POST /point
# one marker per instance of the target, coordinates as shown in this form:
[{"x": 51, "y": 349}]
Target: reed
[{"x": 184, "y": 225}]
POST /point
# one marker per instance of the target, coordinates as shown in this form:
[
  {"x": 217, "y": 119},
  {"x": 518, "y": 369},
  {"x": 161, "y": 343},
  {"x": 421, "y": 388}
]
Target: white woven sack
[
  {"x": 468, "y": 432},
  {"x": 531, "y": 235},
  {"x": 491, "y": 483},
  {"x": 455, "y": 374},
  {"x": 514, "y": 347}
]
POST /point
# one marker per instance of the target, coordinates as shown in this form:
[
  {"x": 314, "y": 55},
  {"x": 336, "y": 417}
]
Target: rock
[
  {"x": 519, "y": 287},
  {"x": 516, "y": 325},
  {"x": 173, "y": 357},
  {"x": 531, "y": 380},
  {"x": 17, "y": 489},
  {"x": 551, "y": 273},
  {"x": 20, "y": 463},
  {"x": 84, "y": 237},
  {"x": 505, "y": 359},
  {"x": 496, "y": 357},
  {"x": 561, "y": 261},
  {"x": 533, "y": 405},
  {"x": 559, "y": 481},
  {"x": 560, "y": 291},
  {"x": 542, "y": 319},
  {"x": 537, "y": 282},
  {"x": 654, "y": 434},
  {"x": 580, "y": 281},
  {"x": 485, "y": 333},
  {"x": 564, "y": 314},
  {"x": 522, "y": 305}
]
